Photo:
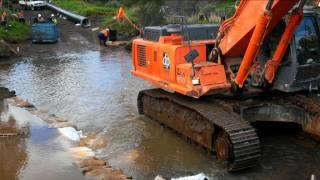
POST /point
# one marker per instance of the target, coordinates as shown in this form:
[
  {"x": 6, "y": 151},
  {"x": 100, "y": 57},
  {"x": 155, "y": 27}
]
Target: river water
[{"x": 95, "y": 90}]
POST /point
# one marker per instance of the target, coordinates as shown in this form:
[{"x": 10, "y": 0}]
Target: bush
[{"x": 16, "y": 32}]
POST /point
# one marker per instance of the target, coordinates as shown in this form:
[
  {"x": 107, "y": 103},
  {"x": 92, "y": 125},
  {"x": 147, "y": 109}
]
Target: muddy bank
[{"x": 4, "y": 51}]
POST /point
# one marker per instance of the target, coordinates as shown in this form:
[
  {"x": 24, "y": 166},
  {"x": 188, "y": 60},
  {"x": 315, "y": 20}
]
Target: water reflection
[{"x": 13, "y": 157}]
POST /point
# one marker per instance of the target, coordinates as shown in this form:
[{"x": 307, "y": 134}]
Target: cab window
[{"x": 307, "y": 42}]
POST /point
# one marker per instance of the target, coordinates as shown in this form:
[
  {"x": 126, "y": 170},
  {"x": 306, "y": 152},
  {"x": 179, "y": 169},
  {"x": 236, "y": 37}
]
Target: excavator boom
[{"x": 239, "y": 29}]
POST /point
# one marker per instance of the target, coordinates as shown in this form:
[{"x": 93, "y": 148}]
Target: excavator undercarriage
[{"x": 223, "y": 124}]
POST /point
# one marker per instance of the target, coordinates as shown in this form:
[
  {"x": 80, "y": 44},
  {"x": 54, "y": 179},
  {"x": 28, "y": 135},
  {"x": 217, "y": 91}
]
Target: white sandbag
[
  {"x": 70, "y": 133},
  {"x": 200, "y": 176},
  {"x": 95, "y": 29}
]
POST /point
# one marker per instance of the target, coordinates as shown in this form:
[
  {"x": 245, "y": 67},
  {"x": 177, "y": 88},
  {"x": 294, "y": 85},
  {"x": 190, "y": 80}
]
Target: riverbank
[
  {"x": 15, "y": 32},
  {"x": 21, "y": 120}
]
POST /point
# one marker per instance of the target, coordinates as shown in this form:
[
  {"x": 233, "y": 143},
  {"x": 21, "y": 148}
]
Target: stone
[
  {"x": 91, "y": 168},
  {"x": 107, "y": 173},
  {"x": 91, "y": 135},
  {"x": 19, "y": 102},
  {"x": 82, "y": 152},
  {"x": 99, "y": 143},
  {"x": 84, "y": 142},
  {"x": 90, "y": 162}
]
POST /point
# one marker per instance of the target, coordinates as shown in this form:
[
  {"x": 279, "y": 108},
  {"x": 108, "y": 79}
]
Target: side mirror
[{"x": 193, "y": 54}]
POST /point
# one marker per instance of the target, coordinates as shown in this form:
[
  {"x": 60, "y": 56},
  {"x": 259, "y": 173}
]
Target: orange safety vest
[{"x": 105, "y": 33}]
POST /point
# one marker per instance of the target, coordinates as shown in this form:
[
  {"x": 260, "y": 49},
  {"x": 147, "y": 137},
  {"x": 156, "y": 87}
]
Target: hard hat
[
  {"x": 52, "y": 15},
  {"x": 39, "y": 15}
]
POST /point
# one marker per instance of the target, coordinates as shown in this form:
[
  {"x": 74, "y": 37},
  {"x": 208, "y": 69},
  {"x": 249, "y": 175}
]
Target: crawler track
[{"x": 207, "y": 124}]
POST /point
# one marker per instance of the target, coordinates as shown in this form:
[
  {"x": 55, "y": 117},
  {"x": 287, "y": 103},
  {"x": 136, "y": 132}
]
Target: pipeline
[{"x": 84, "y": 22}]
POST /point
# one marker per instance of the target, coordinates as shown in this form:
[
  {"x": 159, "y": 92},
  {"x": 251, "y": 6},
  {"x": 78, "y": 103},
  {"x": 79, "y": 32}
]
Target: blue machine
[{"x": 45, "y": 33}]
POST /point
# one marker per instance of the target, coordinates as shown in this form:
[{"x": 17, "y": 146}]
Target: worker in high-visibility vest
[
  {"x": 21, "y": 17},
  {"x": 53, "y": 19},
  {"x": 104, "y": 36}
]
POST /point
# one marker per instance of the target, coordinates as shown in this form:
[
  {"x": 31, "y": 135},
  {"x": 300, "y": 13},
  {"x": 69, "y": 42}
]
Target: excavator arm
[{"x": 244, "y": 33}]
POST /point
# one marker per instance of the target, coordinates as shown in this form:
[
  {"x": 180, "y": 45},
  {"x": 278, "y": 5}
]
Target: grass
[
  {"x": 105, "y": 11},
  {"x": 84, "y": 8},
  {"x": 225, "y": 3},
  {"x": 17, "y": 32}
]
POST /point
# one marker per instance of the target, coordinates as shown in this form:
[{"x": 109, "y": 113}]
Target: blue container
[{"x": 44, "y": 33}]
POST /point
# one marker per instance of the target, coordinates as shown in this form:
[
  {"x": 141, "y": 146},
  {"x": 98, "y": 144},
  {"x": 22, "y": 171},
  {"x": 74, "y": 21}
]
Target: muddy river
[{"x": 94, "y": 89}]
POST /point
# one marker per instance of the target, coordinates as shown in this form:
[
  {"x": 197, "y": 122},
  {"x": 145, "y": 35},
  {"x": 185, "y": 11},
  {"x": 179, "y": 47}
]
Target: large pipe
[{"x": 71, "y": 16}]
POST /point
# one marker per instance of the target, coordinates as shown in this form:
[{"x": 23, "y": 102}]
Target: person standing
[
  {"x": 53, "y": 19},
  {"x": 40, "y": 19},
  {"x": 21, "y": 17},
  {"x": 4, "y": 19}
]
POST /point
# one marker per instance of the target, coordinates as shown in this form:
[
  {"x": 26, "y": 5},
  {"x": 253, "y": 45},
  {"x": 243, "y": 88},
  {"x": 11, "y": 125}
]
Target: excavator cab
[{"x": 300, "y": 70}]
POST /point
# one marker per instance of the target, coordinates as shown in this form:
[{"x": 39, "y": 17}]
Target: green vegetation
[
  {"x": 84, "y": 8},
  {"x": 141, "y": 12},
  {"x": 16, "y": 32}
]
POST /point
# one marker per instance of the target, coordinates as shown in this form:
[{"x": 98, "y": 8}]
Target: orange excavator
[{"x": 215, "y": 82}]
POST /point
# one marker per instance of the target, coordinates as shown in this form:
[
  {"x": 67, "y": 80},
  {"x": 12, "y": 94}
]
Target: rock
[
  {"x": 92, "y": 168},
  {"x": 91, "y": 135},
  {"x": 130, "y": 156},
  {"x": 81, "y": 152},
  {"x": 98, "y": 171},
  {"x": 19, "y": 102},
  {"x": 99, "y": 143},
  {"x": 6, "y": 93},
  {"x": 88, "y": 138},
  {"x": 90, "y": 162},
  {"x": 107, "y": 173},
  {"x": 84, "y": 141},
  {"x": 58, "y": 119}
]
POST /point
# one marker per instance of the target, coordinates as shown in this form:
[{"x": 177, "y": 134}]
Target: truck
[
  {"x": 213, "y": 84},
  {"x": 32, "y": 4}
]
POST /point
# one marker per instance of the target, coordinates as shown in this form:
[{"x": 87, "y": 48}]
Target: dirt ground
[{"x": 72, "y": 38}]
